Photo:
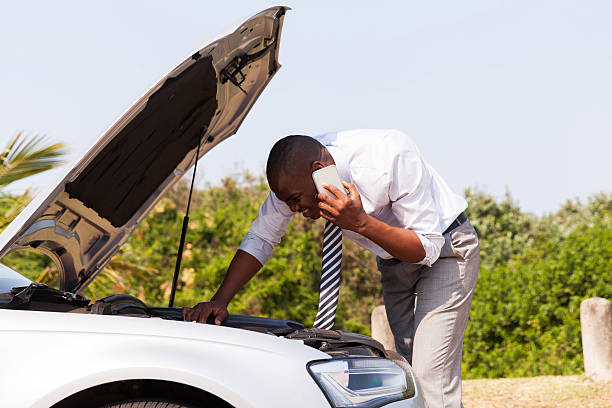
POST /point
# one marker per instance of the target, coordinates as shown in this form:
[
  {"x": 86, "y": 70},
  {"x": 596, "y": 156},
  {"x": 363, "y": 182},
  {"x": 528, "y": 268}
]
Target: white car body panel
[{"x": 234, "y": 364}]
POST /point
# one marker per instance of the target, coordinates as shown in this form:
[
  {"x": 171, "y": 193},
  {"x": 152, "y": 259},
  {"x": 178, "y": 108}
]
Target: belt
[{"x": 461, "y": 218}]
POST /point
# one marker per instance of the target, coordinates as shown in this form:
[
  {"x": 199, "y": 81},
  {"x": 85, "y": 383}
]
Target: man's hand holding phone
[{"x": 346, "y": 211}]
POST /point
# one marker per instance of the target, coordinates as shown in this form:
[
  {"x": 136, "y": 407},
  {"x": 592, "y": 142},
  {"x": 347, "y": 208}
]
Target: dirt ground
[{"x": 537, "y": 392}]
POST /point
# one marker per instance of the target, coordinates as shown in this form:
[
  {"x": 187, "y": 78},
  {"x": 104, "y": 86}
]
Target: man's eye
[{"x": 293, "y": 201}]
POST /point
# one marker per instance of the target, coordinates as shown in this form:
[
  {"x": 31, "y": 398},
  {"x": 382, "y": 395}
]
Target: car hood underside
[{"x": 83, "y": 220}]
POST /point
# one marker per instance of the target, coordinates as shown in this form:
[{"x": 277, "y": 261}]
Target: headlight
[{"x": 362, "y": 382}]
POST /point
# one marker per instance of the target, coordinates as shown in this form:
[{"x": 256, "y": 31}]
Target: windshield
[{"x": 10, "y": 279}]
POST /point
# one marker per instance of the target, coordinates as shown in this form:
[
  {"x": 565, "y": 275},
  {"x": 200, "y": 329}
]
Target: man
[{"x": 400, "y": 209}]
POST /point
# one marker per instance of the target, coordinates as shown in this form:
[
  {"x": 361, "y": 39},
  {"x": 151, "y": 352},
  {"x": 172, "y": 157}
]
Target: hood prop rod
[{"x": 179, "y": 255}]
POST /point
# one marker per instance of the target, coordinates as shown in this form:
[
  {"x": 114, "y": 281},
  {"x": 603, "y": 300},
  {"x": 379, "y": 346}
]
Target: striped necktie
[{"x": 330, "y": 276}]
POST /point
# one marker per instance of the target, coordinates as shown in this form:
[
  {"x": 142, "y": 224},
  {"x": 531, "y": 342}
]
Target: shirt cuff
[
  {"x": 432, "y": 243},
  {"x": 257, "y": 247}
]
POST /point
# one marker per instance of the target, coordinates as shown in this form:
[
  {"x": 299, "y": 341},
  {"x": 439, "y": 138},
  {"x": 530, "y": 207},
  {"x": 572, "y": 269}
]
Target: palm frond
[{"x": 25, "y": 156}]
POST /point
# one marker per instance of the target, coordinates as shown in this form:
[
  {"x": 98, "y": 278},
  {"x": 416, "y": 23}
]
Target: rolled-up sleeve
[
  {"x": 412, "y": 200},
  {"x": 267, "y": 229}
]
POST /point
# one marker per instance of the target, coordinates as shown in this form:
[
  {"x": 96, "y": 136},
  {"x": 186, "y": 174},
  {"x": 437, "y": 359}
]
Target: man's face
[{"x": 298, "y": 191}]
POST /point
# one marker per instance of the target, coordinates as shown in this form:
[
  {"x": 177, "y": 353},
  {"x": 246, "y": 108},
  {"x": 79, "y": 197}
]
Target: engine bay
[{"x": 335, "y": 343}]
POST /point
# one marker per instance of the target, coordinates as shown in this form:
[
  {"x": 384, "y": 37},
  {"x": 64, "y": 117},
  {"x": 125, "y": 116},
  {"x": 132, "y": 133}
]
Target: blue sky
[{"x": 497, "y": 94}]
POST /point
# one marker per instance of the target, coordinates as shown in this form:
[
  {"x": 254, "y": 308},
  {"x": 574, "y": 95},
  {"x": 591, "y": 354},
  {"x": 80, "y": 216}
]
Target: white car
[{"x": 62, "y": 350}]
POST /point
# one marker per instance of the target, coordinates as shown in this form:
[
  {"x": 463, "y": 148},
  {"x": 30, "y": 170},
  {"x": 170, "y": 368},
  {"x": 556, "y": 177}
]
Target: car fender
[{"x": 55, "y": 355}]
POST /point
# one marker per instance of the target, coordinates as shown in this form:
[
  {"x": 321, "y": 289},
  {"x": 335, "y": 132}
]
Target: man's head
[{"x": 289, "y": 170}]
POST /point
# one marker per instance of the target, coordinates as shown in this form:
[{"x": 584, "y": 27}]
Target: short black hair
[{"x": 291, "y": 153}]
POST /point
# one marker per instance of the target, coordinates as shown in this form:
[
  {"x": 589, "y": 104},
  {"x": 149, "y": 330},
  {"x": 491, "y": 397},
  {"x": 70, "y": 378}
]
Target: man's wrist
[
  {"x": 363, "y": 225},
  {"x": 220, "y": 299}
]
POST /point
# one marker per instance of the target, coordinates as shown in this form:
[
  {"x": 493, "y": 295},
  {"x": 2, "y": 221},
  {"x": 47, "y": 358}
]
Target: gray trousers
[{"x": 428, "y": 309}]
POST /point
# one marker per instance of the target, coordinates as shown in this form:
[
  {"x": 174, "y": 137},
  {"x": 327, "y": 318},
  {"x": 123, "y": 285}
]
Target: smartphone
[{"x": 328, "y": 175}]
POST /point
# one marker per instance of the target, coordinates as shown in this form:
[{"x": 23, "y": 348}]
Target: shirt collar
[{"x": 341, "y": 163}]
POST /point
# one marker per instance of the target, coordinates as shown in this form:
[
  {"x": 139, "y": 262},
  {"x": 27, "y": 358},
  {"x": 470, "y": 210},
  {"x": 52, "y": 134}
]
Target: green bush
[
  {"x": 285, "y": 288},
  {"x": 525, "y": 316}
]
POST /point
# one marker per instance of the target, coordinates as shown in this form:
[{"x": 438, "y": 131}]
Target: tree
[{"x": 22, "y": 157}]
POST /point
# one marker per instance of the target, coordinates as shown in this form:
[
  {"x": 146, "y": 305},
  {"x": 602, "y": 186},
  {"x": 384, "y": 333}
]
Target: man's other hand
[{"x": 200, "y": 312}]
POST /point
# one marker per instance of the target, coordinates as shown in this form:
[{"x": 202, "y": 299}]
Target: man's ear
[{"x": 316, "y": 165}]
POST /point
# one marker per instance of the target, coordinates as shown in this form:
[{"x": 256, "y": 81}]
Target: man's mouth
[{"x": 311, "y": 214}]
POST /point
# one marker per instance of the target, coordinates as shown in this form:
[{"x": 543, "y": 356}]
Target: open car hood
[{"x": 82, "y": 221}]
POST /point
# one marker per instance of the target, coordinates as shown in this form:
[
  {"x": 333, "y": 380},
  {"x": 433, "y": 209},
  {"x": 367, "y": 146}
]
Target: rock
[
  {"x": 596, "y": 324},
  {"x": 380, "y": 328}
]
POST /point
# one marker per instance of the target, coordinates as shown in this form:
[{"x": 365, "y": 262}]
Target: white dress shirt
[{"x": 396, "y": 186}]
